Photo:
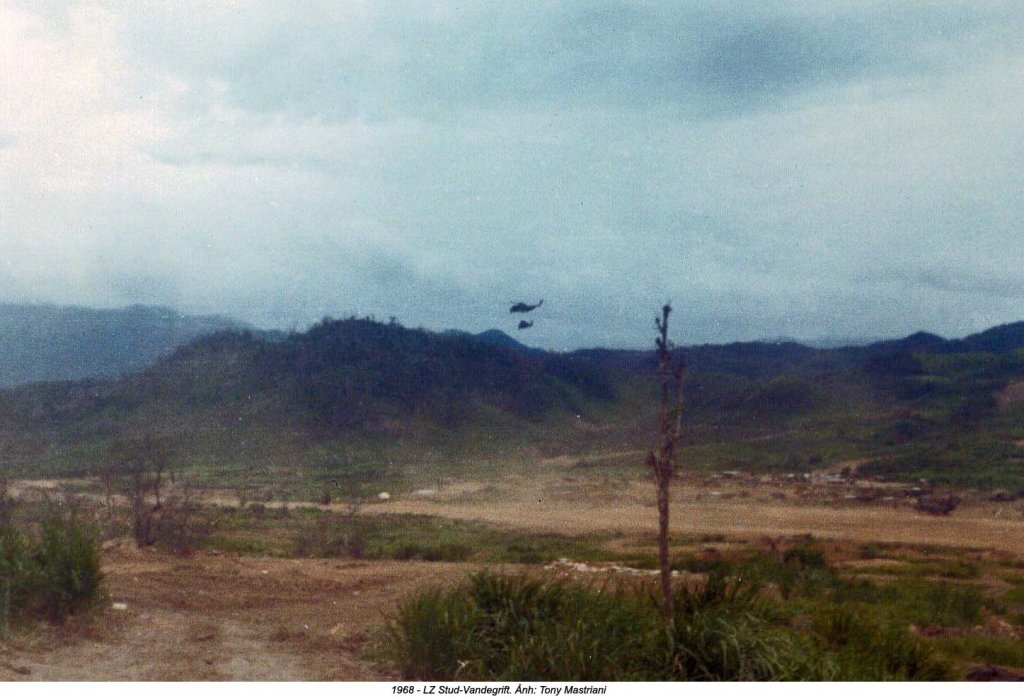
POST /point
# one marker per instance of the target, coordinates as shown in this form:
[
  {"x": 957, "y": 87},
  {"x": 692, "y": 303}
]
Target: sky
[{"x": 800, "y": 169}]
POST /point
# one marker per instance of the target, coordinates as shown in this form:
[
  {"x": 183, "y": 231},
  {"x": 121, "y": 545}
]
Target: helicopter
[{"x": 521, "y": 307}]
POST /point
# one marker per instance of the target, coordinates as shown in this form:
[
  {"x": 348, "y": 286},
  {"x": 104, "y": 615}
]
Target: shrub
[
  {"x": 805, "y": 553},
  {"x": 18, "y": 573},
  {"x": 179, "y": 528},
  {"x": 870, "y": 551},
  {"x": 721, "y": 632},
  {"x": 724, "y": 646},
  {"x": 7, "y": 503},
  {"x": 441, "y": 552},
  {"x": 69, "y": 563},
  {"x": 56, "y": 575},
  {"x": 333, "y": 536},
  {"x": 432, "y": 633},
  {"x": 793, "y": 577}
]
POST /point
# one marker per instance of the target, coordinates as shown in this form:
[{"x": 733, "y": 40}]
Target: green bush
[
  {"x": 69, "y": 562},
  {"x": 441, "y": 552},
  {"x": 710, "y": 644},
  {"x": 805, "y": 553},
  {"x": 56, "y": 575},
  {"x": 935, "y": 603},
  {"x": 18, "y": 576}
]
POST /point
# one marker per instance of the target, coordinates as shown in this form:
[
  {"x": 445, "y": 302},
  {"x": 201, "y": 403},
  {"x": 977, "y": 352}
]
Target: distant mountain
[
  {"x": 367, "y": 398},
  {"x": 501, "y": 339},
  {"x": 996, "y": 340},
  {"x": 1001, "y": 339},
  {"x": 51, "y": 343},
  {"x": 824, "y": 342}
]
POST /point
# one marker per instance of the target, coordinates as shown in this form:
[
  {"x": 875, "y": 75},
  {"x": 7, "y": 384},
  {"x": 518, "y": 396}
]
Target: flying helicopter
[{"x": 521, "y": 307}]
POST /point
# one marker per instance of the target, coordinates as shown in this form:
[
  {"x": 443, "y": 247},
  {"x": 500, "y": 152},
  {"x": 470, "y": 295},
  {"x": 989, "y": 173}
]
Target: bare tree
[
  {"x": 136, "y": 468},
  {"x": 662, "y": 462}
]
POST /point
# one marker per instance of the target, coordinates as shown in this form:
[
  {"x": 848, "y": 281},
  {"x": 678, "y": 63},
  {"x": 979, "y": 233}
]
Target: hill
[
  {"x": 356, "y": 373},
  {"x": 50, "y": 343},
  {"x": 344, "y": 392},
  {"x": 380, "y": 402}
]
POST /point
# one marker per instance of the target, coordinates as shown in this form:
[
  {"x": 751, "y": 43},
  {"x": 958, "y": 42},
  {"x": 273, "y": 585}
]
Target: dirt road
[
  {"x": 747, "y": 519},
  {"x": 628, "y": 507}
]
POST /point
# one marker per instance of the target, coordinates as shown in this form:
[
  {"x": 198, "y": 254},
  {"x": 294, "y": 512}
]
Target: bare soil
[
  {"x": 734, "y": 510},
  {"x": 215, "y": 618}
]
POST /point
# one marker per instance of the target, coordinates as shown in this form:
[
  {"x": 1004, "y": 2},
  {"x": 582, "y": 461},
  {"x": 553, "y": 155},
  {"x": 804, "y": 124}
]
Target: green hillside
[
  {"x": 380, "y": 404},
  {"x": 345, "y": 394}
]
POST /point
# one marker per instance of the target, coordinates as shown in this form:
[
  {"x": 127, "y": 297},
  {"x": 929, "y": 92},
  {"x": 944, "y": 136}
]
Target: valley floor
[{"x": 219, "y": 616}]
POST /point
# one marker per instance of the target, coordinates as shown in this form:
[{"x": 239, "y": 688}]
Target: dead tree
[
  {"x": 136, "y": 468},
  {"x": 662, "y": 462}
]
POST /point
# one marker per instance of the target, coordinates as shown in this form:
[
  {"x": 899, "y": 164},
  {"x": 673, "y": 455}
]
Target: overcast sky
[{"x": 806, "y": 169}]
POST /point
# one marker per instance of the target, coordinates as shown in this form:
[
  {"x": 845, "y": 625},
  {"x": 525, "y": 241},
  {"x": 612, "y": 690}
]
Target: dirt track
[
  {"x": 971, "y": 528},
  {"x": 555, "y": 505},
  {"x": 212, "y": 618}
]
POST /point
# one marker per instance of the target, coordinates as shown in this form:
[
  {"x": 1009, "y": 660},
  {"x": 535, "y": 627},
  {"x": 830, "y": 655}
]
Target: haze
[{"x": 808, "y": 169}]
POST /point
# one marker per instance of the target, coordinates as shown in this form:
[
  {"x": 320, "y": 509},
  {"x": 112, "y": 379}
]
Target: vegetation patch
[
  {"x": 415, "y": 537},
  {"x": 515, "y": 628},
  {"x": 53, "y": 574}
]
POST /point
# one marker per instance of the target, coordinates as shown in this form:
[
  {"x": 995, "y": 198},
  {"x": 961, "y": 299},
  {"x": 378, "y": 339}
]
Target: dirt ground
[
  {"x": 970, "y": 528},
  {"x": 227, "y": 617},
  {"x": 578, "y": 506},
  {"x": 216, "y": 618}
]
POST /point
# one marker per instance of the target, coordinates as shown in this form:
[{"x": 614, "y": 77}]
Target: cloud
[
  {"x": 383, "y": 59},
  {"x": 793, "y": 168}
]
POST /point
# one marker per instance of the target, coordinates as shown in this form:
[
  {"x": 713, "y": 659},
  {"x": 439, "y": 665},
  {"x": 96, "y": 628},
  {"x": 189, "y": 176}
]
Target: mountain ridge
[{"x": 47, "y": 342}]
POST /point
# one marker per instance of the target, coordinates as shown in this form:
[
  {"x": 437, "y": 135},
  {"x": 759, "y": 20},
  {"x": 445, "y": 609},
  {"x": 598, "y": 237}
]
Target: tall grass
[
  {"x": 516, "y": 628},
  {"x": 866, "y": 648}
]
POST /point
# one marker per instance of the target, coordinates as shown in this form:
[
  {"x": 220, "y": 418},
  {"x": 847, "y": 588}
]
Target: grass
[
  {"x": 933, "y": 588},
  {"x": 1004, "y": 651},
  {"x": 757, "y": 615},
  {"x": 309, "y": 532},
  {"x": 68, "y": 560},
  {"x": 416, "y": 537},
  {"x": 516, "y": 628}
]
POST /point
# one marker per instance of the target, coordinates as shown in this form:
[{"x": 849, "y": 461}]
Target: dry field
[
  {"x": 228, "y": 617},
  {"x": 225, "y": 618},
  {"x": 564, "y": 501},
  {"x": 973, "y": 526}
]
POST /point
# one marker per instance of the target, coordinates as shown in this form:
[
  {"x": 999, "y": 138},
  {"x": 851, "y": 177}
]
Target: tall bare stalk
[{"x": 662, "y": 462}]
